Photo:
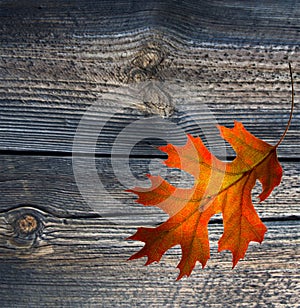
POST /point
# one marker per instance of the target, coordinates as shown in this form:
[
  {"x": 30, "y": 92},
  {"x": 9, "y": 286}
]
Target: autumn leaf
[{"x": 219, "y": 187}]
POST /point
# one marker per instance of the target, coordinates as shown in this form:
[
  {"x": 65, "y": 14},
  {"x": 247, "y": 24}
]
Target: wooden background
[{"x": 58, "y": 58}]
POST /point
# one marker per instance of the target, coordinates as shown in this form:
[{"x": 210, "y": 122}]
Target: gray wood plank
[
  {"x": 54, "y": 250},
  {"x": 253, "y": 22},
  {"x": 82, "y": 262},
  {"x": 31, "y": 123},
  {"x": 50, "y": 75},
  {"x": 49, "y": 184}
]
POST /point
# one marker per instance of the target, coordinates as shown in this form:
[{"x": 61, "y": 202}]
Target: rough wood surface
[
  {"x": 52, "y": 240},
  {"x": 190, "y": 64},
  {"x": 48, "y": 183},
  {"x": 82, "y": 262},
  {"x": 51, "y": 71}
]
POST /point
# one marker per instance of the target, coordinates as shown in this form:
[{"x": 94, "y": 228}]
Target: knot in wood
[
  {"x": 27, "y": 224},
  {"x": 148, "y": 58},
  {"x": 145, "y": 65},
  {"x": 137, "y": 75}
]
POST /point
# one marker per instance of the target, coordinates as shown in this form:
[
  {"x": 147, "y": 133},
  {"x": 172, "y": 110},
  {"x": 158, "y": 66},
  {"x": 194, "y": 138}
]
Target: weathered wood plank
[
  {"x": 82, "y": 262},
  {"x": 62, "y": 242},
  {"x": 58, "y": 253},
  {"x": 31, "y": 123},
  {"x": 254, "y": 22},
  {"x": 50, "y": 75},
  {"x": 48, "y": 183}
]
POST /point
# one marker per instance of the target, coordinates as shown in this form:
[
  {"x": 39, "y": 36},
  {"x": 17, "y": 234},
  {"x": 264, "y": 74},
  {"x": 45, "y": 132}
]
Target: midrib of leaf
[{"x": 246, "y": 173}]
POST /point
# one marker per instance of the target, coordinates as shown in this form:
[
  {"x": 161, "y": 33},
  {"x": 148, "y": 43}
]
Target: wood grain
[
  {"x": 48, "y": 183},
  {"x": 149, "y": 69},
  {"x": 206, "y": 21},
  {"x": 50, "y": 77},
  {"x": 82, "y": 262},
  {"x": 74, "y": 257}
]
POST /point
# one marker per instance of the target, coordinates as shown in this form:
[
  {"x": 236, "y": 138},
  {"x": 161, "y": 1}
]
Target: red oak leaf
[{"x": 219, "y": 187}]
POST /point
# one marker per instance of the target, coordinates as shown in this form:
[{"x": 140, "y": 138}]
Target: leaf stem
[{"x": 292, "y": 109}]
